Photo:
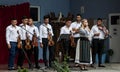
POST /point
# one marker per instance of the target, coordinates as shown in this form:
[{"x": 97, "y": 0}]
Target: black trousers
[
  {"x": 73, "y": 49},
  {"x": 97, "y": 47},
  {"x": 21, "y": 55},
  {"x": 51, "y": 52},
  {"x": 35, "y": 51},
  {"x": 66, "y": 47}
]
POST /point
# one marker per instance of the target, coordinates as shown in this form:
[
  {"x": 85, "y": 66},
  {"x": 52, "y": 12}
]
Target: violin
[
  {"x": 34, "y": 39},
  {"x": 73, "y": 44},
  {"x": 19, "y": 44},
  {"x": 76, "y": 30},
  {"x": 104, "y": 29},
  {"x": 50, "y": 40},
  {"x": 27, "y": 42}
]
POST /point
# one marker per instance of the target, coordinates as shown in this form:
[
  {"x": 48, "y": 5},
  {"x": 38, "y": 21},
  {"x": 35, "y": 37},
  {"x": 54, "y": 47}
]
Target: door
[{"x": 114, "y": 28}]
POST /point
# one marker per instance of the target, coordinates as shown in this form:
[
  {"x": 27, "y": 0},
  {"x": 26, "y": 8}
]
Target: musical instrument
[
  {"x": 19, "y": 44},
  {"x": 104, "y": 29},
  {"x": 73, "y": 44},
  {"x": 50, "y": 40},
  {"x": 27, "y": 42},
  {"x": 34, "y": 39},
  {"x": 76, "y": 30}
]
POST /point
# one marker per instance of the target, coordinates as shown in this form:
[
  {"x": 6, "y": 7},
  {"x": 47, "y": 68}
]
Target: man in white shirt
[
  {"x": 66, "y": 29},
  {"x": 75, "y": 27},
  {"x": 23, "y": 31},
  {"x": 98, "y": 32},
  {"x": 34, "y": 31},
  {"x": 11, "y": 39},
  {"x": 45, "y": 30}
]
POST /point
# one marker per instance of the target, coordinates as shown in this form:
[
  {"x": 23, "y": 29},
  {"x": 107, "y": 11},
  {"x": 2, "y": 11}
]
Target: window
[
  {"x": 35, "y": 13},
  {"x": 114, "y": 19}
]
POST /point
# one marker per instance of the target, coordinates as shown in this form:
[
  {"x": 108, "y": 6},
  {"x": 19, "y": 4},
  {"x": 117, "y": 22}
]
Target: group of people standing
[
  {"x": 23, "y": 40},
  {"x": 29, "y": 35},
  {"x": 89, "y": 42},
  {"x": 16, "y": 37}
]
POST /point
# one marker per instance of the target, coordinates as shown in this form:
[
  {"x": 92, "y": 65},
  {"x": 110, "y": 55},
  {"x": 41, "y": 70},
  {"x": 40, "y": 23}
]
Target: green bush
[
  {"x": 22, "y": 70},
  {"x": 62, "y": 67}
]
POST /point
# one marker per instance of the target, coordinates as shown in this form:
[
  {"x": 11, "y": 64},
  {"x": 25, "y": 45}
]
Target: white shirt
[
  {"x": 11, "y": 34},
  {"x": 23, "y": 30},
  {"x": 94, "y": 30},
  {"x": 31, "y": 30},
  {"x": 43, "y": 31},
  {"x": 76, "y": 25},
  {"x": 65, "y": 30}
]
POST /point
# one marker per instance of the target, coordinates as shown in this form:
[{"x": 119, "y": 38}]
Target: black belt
[
  {"x": 98, "y": 39},
  {"x": 44, "y": 38},
  {"x": 12, "y": 42}
]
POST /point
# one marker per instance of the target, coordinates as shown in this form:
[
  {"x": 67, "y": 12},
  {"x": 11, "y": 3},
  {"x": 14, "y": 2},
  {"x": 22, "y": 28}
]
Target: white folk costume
[{"x": 83, "y": 50}]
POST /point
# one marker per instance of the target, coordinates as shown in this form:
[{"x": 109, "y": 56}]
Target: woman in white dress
[{"x": 83, "y": 51}]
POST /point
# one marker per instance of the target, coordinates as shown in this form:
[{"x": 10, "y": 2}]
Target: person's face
[
  {"x": 78, "y": 18},
  {"x": 68, "y": 23},
  {"x": 30, "y": 21},
  {"x": 25, "y": 21},
  {"x": 85, "y": 23},
  {"x": 46, "y": 21},
  {"x": 13, "y": 22},
  {"x": 99, "y": 22}
]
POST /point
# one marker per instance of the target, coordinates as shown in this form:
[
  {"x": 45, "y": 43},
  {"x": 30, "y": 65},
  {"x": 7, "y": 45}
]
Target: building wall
[
  {"x": 95, "y": 8},
  {"x": 46, "y": 6}
]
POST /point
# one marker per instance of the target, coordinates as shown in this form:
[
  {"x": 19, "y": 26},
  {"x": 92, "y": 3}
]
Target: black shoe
[
  {"x": 81, "y": 68},
  {"x": 37, "y": 67},
  {"x": 77, "y": 65},
  {"x": 101, "y": 66},
  {"x": 30, "y": 67},
  {"x": 20, "y": 67},
  {"x": 85, "y": 69},
  {"x": 46, "y": 67},
  {"x": 92, "y": 65},
  {"x": 11, "y": 68}
]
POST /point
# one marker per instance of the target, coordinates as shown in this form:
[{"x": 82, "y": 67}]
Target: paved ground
[{"x": 108, "y": 68}]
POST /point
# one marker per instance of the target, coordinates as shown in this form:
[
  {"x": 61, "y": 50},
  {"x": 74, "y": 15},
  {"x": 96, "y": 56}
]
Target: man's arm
[{"x": 7, "y": 37}]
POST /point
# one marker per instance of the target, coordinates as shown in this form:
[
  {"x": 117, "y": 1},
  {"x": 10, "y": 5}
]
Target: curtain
[{"x": 6, "y": 13}]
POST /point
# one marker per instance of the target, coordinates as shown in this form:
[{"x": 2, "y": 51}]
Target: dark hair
[
  {"x": 78, "y": 15},
  {"x": 46, "y": 17},
  {"x": 30, "y": 18},
  {"x": 68, "y": 19},
  {"x": 13, "y": 19},
  {"x": 99, "y": 19},
  {"x": 24, "y": 17}
]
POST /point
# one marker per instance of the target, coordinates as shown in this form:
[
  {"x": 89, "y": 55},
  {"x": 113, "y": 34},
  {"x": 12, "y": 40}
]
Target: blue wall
[
  {"x": 45, "y": 5},
  {"x": 95, "y": 8}
]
